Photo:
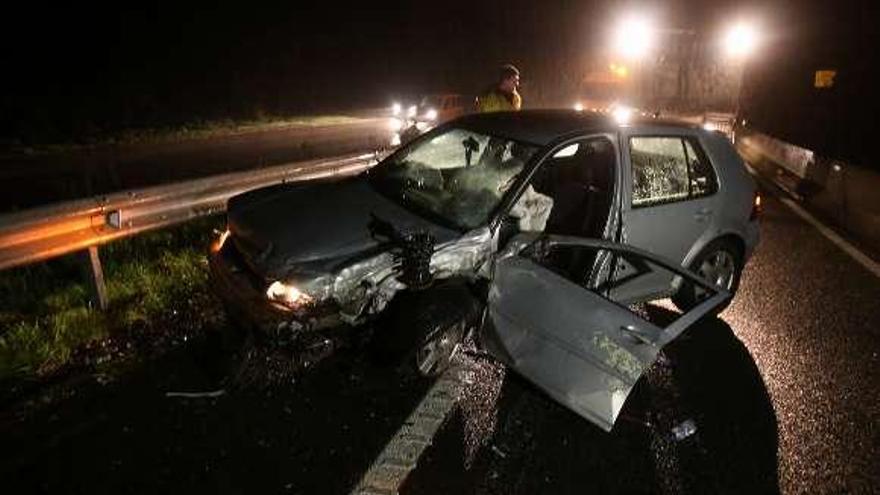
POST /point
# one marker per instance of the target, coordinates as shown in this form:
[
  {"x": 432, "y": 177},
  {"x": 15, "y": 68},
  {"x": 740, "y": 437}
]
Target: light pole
[
  {"x": 739, "y": 42},
  {"x": 633, "y": 40}
]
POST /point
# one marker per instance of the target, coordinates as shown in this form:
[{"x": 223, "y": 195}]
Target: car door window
[
  {"x": 703, "y": 181},
  {"x": 579, "y": 180},
  {"x": 576, "y": 343},
  {"x": 605, "y": 272},
  {"x": 659, "y": 170}
]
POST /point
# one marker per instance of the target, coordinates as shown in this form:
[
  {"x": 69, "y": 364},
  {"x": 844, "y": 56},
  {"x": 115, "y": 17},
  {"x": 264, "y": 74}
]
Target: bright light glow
[
  {"x": 740, "y": 40},
  {"x": 634, "y": 37},
  {"x": 396, "y": 109},
  {"x": 620, "y": 71},
  {"x": 431, "y": 114},
  {"x": 579, "y": 107},
  {"x": 221, "y": 240},
  {"x": 395, "y": 125},
  {"x": 286, "y": 294},
  {"x": 709, "y": 126},
  {"x": 622, "y": 114},
  {"x": 411, "y": 111},
  {"x": 395, "y": 139}
]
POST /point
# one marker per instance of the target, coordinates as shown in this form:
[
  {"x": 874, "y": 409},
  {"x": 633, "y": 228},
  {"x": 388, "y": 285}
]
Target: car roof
[{"x": 541, "y": 127}]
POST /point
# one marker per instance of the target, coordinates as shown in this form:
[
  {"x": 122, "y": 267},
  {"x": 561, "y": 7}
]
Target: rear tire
[{"x": 721, "y": 263}]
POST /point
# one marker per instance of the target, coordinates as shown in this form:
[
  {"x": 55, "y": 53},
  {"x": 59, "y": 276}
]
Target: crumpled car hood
[{"x": 302, "y": 224}]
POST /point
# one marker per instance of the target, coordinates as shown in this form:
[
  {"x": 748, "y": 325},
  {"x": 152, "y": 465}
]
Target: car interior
[{"x": 580, "y": 182}]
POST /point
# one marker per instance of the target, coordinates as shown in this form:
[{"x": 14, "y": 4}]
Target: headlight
[
  {"x": 287, "y": 294},
  {"x": 396, "y": 109},
  {"x": 578, "y": 107},
  {"x": 622, "y": 114},
  {"x": 431, "y": 114}
]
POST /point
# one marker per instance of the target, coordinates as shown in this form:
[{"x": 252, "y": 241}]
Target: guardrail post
[{"x": 95, "y": 275}]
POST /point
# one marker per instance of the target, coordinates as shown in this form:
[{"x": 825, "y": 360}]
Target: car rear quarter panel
[{"x": 736, "y": 190}]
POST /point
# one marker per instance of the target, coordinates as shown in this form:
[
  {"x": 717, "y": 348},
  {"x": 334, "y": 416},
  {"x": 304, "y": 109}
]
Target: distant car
[
  {"x": 720, "y": 122},
  {"x": 445, "y": 107},
  {"x": 544, "y": 233},
  {"x": 432, "y": 110}
]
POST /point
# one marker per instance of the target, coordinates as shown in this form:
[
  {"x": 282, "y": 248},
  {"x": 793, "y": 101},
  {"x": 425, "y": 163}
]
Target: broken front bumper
[{"x": 244, "y": 297}]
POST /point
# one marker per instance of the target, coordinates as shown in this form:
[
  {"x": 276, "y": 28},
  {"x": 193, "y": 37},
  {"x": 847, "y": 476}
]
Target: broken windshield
[{"x": 457, "y": 175}]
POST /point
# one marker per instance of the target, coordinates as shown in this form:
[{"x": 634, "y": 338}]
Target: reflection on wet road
[
  {"x": 315, "y": 435},
  {"x": 779, "y": 395}
]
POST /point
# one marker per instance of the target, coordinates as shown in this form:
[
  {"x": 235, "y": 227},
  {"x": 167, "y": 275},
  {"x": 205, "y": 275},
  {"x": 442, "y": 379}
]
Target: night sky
[{"x": 79, "y": 70}]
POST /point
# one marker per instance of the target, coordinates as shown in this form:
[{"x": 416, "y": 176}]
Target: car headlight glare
[
  {"x": 287, "y": 294},
  {"x": 218, "y": 243},
  {"x": 431, "y": 114}
]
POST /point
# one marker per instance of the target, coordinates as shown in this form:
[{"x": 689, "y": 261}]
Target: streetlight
[
  {"x": 740, "y": 40},
  {"x": 634, "y": 37},
  {"x": 739, "y": 43}
]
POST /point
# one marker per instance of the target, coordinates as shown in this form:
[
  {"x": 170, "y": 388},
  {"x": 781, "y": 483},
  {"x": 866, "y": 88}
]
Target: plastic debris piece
[
  {"x": 196, "y": 395},
  {"x": 684, "y": 429}
]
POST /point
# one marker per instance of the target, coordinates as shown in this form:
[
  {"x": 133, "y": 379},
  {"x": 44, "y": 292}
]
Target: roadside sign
[{"x": 824, "y": 78}]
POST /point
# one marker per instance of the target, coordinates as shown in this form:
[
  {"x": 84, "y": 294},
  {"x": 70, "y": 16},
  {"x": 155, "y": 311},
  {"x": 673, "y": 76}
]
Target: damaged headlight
[{"x": 287, "y": 294}]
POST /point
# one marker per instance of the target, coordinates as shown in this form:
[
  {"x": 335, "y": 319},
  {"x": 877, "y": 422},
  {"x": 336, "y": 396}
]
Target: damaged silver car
[{"x": 571, "y": 247}]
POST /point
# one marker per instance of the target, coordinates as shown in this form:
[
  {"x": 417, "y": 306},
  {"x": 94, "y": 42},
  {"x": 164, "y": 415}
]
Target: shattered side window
[
  {"x": 458, "y": 175},
  {"x": 703, "y": 179},
  {"x": 659, "y": 170}
]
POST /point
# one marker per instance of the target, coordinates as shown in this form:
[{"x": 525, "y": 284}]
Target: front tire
[
  {"x": 423, "y": 330},
  {"x": 720, "y": 263}
]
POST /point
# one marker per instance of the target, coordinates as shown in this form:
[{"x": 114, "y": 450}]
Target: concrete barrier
[{"x": 844, "y": 194}]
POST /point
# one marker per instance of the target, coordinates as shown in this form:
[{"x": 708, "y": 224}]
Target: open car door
[{"x": 576, "y": 343}]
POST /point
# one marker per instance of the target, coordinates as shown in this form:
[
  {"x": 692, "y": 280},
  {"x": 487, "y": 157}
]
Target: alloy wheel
[{"x": 719, "y": 269}]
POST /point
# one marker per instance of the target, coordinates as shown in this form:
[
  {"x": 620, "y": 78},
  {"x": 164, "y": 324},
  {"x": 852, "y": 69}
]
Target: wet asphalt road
[
  {"x": 782, "y": 390},
  {"x": 34, "y": 180}
]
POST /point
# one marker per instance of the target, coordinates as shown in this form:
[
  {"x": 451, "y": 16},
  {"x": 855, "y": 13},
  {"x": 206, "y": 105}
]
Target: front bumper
[{"x": 244, "y": 297}]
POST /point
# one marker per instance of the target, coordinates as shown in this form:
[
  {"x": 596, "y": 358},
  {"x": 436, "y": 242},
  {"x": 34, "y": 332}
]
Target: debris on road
[
  {"x": 500, "y": 453},
  {"x": 684, "y": 429}
]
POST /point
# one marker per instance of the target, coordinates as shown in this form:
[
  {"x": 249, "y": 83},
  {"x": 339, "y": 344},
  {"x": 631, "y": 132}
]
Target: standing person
[{"x": 503, "y": 96}]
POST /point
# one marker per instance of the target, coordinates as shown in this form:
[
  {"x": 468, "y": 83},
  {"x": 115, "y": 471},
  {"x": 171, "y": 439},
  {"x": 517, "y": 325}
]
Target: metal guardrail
[
  {"x": 844, "y": 194},
  {"x": 41, "y": 233}
]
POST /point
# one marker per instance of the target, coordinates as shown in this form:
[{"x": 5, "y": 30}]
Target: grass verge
[{"x": 158, "y": 293}]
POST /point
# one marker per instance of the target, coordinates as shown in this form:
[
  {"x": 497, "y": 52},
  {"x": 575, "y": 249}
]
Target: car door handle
[{"x": 634, "y": 333}]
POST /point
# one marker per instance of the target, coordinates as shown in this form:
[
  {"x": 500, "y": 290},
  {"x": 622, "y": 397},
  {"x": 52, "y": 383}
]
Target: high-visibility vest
[{"x": 495, "y": 101}]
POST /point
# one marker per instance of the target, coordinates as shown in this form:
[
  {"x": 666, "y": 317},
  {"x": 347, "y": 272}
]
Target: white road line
[
  {"x": 860, "y": 257},
  {"x": 401, "y": 454},
  {"x": 832, "y": 236}
]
